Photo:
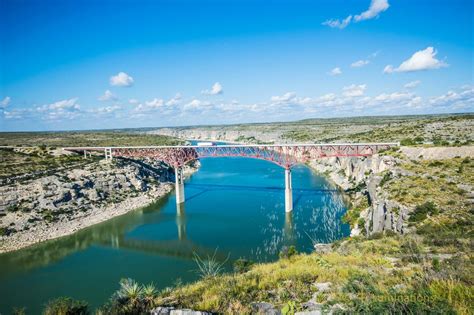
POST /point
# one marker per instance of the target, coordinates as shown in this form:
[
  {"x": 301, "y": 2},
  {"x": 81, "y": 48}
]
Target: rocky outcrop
[
  {"x": 362, "y": 177},
  {"x": 163, "y": 310},
  {"x": 438, "y": 153}
]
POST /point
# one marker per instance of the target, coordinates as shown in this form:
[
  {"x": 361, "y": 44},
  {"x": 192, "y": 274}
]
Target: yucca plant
[
  {"x": 129, "y": 289},
  {"x": 149, "y": 294},
  {"x": 209, "y": 267},
  {"x": 130, "y": 295}
]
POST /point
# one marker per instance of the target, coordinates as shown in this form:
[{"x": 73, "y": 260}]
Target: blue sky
[{"x": 116, "y": 64}]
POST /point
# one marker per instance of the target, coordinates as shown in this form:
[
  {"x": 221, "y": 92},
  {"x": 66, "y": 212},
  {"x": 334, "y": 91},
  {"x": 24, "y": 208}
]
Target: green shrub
[
  {"x": 19, "y": 311},
  {"x": 418, "y": 139},
  {"x": 360, "y": 283},
  {"x": 48, "y": 216},
  {"x": 242, "y": 265},
  {"x": 440, "y": 142},
  {"x": 289, "y": 308},
  {"x": 130, "y": 299},
  {"x": 407, "y": 142},
  {"x": 386, "y": 177},
  {"x": 436, "y": 264},
  {"x": 3, "y": 231},
  {"x": 435, "y": 163},
  {"x": 422, "y": 211},
  {"x": 288, "y": 251},
  {"x": 13, "y": 208},
  {"x": 412, "y": 250},
  {"x": 66, "y": 306}
]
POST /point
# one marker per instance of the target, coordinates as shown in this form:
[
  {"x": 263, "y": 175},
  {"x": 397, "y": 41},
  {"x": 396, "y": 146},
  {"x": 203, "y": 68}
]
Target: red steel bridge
[{"x": 284, "y": 155}]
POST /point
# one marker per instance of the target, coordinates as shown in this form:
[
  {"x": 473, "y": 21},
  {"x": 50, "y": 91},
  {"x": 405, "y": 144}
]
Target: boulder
[
  {"x": 322, "y": 248},
  {"x": 323, "y": 286},
  {"x": 265, "y": 308},
  {"x": 161, "y": 310}
]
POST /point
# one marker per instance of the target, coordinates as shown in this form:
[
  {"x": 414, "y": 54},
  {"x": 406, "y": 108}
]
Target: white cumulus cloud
[
  {"x": 354, "y": 90},
  {"x": 154, "y": 103},
  {"x": 175, "y": 100},
  {"x": 412, "y": 84},
  {"x": 288, "y": 96},
  {"x": 4, "y": 103},
  {"x": 106, "y": 110},
  {"x": 64, "y": 109},
  {"x": 340, "y": 24},
  {"x": 463, "y": 99},
  {"x": 376, "y": 7},
  {"x": 360, "y": 63},
  {"x": 215, "y": 89},
  {"x": 121, "y": 79},
  {"x": 335, "y": 71},
  {"x": 107, "y": 96},
  {"x": 327, "y": 97},
  {"x": 390, "y": 97},
  {"x": 69, "y": 104},
  {"x": 198, "y": 105},
  {"x": 420, "y": 60}
]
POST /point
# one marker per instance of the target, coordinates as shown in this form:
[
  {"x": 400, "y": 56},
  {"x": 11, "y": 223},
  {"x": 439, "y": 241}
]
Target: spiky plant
[
  {"x": 149, "y": 294},
  {"x": 209, "y": 267},
  {"x": 130, "y": 295}
]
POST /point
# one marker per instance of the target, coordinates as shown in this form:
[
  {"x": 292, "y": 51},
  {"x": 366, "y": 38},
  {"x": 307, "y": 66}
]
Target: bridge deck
[{"x": 236, "y": 146}]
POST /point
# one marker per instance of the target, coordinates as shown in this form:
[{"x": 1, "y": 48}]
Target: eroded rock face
[
  {"x": 48, "y": 202},
  {"x": 364, "y": 175}
]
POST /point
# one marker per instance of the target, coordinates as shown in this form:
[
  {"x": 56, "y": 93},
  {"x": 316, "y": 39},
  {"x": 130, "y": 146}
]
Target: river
[{"x": 234, "y": 207}]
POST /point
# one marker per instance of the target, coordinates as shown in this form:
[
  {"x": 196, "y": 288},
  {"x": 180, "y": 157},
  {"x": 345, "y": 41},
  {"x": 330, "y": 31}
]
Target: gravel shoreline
[{"x": 49, "y": 231}]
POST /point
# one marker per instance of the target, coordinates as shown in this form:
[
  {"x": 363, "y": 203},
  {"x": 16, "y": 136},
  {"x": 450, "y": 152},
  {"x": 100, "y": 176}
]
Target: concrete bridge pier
[
  {"x": 108, "y": 154},
  {"x": 288, "y": 191},
  {"x": 179, "y": 184}
]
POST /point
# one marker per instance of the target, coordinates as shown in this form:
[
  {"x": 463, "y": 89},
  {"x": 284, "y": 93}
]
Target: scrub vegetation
[
  {"x": 85, "y": 138},
  {"x": 40, "y": 154},
  {"x": 430, "y": 130},
  {"x": 409, "y": 130},
  {"x": 36, "y": 162}
]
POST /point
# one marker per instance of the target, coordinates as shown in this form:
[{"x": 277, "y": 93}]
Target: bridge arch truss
[{"x": 285, "y": 156}]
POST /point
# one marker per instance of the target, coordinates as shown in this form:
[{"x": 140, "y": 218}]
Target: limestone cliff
[{"x": 363, "y": 178}]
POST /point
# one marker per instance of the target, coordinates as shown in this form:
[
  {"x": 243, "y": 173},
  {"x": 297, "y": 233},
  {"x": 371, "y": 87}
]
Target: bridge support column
[
  {"x": 108, "y": 154},
  {"x": 288, "y": 191},
  {"x": 179, "y": 184}
]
